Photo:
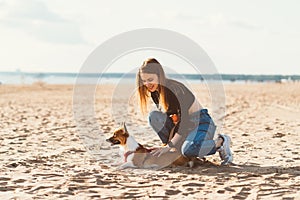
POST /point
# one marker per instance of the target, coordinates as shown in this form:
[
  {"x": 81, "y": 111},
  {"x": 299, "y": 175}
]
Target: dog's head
[{"x": 119, "y": 137}]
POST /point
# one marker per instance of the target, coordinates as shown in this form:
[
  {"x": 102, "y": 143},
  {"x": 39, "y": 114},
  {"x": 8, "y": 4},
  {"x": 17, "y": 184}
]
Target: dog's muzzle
[{"x": 113, "y": 141}]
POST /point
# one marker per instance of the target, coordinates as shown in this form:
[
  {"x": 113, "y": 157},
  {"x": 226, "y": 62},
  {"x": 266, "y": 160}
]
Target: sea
[{"x": 72, "y": 78}]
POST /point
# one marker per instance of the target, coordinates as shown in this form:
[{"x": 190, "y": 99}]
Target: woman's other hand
[
  {"x": 160, "y": 151},
  {"x": 174, "y": 118}
]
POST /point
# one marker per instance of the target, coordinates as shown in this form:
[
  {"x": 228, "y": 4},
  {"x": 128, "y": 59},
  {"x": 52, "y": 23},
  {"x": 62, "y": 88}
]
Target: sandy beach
[{"x": 44, "y": 156}]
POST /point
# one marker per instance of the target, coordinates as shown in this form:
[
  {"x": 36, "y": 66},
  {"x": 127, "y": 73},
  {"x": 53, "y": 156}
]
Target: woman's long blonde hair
[{"x": 151, "y": 66}]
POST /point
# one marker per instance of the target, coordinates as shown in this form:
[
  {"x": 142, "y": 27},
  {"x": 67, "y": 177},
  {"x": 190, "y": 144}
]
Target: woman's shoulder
[
  {"x": 172, "y": 82},
  {"x": 175, "y": 85},
  {"x": 182, "y": 93}
]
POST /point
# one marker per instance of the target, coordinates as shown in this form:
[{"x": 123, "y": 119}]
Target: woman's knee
[{"x": 156, "y": 116}]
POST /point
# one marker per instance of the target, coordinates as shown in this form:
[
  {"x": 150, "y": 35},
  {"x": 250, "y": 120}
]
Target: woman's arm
[
  {"x": 179, "y": 97},
  {"x": 176, "y": 141}
]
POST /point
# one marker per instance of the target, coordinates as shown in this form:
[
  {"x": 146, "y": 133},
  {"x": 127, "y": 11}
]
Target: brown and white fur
[{"x": 134, "y": 155}]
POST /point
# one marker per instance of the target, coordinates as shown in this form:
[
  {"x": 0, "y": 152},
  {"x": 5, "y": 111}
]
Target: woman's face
[{"x": 150, "y": 81}]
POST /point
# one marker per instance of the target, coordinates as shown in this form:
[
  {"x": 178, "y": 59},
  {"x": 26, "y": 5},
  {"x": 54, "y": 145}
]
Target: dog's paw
[
  {"x": 126, "y": 165},
  {"x": 120, "y": 167},
  {"x": 116, "y": 164}
]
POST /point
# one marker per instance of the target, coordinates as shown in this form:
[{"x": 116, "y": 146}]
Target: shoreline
[{"x": 70, "y": 78}]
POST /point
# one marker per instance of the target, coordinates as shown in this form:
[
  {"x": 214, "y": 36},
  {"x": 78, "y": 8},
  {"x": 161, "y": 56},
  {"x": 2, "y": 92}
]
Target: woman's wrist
[{"x": 170, "y": 144}]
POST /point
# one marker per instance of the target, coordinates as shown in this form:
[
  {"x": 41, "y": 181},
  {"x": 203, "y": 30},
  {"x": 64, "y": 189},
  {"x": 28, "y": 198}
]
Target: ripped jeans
[{"x": 198, "y": 143}]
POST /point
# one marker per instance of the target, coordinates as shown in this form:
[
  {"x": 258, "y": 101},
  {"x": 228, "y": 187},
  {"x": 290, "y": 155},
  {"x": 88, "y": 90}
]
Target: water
[
  {"x": 54, "y": 78},
  {"x": 70, "y": 78}
]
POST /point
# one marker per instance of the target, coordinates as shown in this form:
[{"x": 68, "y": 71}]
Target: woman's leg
[
  {"x": 199, "y": 142},
  {"x": 162, "y": 125}
]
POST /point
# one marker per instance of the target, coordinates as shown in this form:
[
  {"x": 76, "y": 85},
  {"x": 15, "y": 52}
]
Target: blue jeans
[{"x": 198, "y": 143}]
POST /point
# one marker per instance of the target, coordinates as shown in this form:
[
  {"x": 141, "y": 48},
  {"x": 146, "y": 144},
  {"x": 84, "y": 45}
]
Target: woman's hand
[{"x": 160, "y": 151}]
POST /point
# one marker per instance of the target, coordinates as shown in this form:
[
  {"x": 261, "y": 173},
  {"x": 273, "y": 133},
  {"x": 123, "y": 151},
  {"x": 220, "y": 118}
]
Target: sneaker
[{"x": 224, "y": 150}]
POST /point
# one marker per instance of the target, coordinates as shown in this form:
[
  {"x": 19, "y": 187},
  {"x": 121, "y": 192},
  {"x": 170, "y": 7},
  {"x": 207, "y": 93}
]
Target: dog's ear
[{"x": 124, "y": 126}]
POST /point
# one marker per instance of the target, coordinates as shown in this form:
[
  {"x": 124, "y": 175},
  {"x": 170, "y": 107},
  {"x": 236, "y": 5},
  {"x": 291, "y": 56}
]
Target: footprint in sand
[
  {"x": 278, "y": 135},
  {"x": 172, "y": 192}
]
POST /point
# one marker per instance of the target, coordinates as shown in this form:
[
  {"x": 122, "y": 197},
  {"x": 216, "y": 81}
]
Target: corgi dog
[{"x": 135, "y": 155}]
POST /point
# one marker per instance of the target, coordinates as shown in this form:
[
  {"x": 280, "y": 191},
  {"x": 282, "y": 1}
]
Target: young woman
[{"x": 180, "y": 121}]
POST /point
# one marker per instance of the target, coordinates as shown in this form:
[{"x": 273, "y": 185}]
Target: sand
[{"x": 45, "y": 155}]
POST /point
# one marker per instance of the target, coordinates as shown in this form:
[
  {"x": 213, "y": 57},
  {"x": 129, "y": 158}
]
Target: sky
[{"x": 241, "y": 37}]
